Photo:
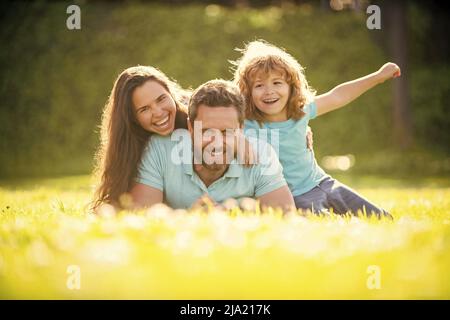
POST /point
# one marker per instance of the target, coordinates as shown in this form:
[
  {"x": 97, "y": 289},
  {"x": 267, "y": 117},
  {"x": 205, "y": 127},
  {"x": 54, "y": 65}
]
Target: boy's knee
[
  {"x": 378, "y": 212},
  {"x": 309, "y": 206},
  {"x": 385, "y": 214}
]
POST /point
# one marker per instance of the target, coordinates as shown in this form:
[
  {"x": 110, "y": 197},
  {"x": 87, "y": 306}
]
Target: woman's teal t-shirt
[{"x": 288, "y": 138}]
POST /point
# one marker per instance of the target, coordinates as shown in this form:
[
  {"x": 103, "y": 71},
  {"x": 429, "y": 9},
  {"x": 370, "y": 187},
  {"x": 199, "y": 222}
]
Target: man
[{"x": 210, "y": 166}]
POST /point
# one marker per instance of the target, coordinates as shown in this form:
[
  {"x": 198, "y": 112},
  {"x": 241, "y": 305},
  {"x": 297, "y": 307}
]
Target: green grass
[{"x": 163, "y": 254}]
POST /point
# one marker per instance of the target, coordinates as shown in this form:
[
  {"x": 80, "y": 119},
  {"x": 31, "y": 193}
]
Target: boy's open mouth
[{"x": 270, "y": 101}]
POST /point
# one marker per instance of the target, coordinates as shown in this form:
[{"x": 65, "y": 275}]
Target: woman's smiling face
[{"x": 154, "y": 108}]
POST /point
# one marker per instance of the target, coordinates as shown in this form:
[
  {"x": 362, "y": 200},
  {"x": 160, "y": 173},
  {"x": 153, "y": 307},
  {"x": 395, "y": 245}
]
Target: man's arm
[
  {"x": 205, "y": 201},
  {"x": 346, "y": 92},
  {"x": 145, "y": 196},
  {"x": 279, "y": 198}
]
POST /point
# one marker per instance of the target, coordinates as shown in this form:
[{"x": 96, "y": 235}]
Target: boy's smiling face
[{"x": 270, "y": 94}]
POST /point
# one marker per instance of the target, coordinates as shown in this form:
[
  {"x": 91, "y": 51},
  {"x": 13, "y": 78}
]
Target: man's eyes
[{"x": 223, "y": 132}]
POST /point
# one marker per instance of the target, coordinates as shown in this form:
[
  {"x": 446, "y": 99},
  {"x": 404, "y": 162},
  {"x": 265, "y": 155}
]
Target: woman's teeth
[{"x": 163, "y": 123}]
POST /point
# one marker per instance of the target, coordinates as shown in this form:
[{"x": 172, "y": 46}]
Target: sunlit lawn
[{"x": 163, "y": 254}]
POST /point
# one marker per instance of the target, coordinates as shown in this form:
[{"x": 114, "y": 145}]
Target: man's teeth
[
  {"x": 163, "y": 121},
  {"x": 216, "y": 153}
]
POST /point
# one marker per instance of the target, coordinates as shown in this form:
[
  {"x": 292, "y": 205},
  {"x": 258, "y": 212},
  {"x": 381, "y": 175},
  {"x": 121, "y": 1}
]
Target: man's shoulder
[{"x": 167, "y": 142}]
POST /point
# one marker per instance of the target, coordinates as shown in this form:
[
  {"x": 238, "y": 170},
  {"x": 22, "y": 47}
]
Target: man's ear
[{"x": 189, "y": 125}]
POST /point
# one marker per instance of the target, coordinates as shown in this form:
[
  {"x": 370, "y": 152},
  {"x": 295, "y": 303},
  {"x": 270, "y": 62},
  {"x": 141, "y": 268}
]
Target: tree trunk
[{"x": 396, "y": 14}]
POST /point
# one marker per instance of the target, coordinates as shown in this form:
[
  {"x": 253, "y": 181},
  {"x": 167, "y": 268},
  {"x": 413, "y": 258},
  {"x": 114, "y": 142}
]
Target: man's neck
[{"x": 209, "y": 176}]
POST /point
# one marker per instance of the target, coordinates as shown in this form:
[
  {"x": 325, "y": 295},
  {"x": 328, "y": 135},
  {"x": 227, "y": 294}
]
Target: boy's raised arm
[{"x": 349, "y": 91}]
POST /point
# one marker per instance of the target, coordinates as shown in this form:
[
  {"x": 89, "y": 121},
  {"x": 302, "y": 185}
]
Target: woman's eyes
[
  {"x": 161, "y": 98},
  {"x": 144, "y": 109}
]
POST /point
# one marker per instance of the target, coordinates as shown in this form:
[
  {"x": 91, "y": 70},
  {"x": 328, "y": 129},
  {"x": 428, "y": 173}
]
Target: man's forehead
[{"x": 224, "y": 114}]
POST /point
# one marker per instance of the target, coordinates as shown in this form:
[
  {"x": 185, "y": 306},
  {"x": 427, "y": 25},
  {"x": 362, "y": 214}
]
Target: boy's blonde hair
[{"x": 261, "y": 56}]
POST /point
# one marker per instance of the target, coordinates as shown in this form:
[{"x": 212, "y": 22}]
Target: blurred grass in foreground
[{"x": 174, "y": 255}]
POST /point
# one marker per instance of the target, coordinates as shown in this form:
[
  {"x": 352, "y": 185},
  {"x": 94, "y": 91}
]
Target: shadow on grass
[
  {"x": 393, "y": 181},
  {"x": 85, "y": 182},
  {"x": 72, "y": 182}
]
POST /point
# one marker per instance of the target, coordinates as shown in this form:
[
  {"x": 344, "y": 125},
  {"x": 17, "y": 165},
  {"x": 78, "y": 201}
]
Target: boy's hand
[
  {"x": 244, "y": 151},
  {"x": 309, "y": 138},
  {"x": 388, "y": 71}
]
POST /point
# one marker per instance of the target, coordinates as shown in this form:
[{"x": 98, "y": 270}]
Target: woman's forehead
[{"x": 147, "y": 93}]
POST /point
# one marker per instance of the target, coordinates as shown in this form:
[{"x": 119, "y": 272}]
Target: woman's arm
[
  {"x": 145, "y": 196},
  {"x": 345, "y": 93}
]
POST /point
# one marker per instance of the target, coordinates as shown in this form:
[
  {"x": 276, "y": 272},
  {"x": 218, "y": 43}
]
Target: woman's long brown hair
[{"x": 122, "y": 139}]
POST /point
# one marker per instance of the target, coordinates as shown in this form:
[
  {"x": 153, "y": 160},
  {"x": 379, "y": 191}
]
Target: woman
[{"x": 143, "y": 101}]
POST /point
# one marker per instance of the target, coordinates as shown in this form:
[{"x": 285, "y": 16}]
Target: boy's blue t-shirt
[{"x": 288, "y": 138}]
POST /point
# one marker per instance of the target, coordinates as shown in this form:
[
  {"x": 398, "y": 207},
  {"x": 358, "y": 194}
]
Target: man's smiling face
[{"x": 217, "y": 135}]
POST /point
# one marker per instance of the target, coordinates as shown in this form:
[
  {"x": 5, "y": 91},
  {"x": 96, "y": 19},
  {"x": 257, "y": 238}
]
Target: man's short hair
[{"x": 217, "y": 93}]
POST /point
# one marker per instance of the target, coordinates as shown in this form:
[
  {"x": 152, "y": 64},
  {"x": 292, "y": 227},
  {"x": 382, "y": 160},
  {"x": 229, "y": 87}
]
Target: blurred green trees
[{"x": 55, "y": 82}]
